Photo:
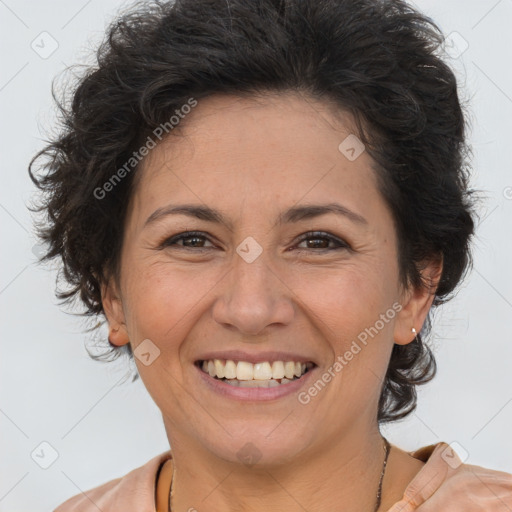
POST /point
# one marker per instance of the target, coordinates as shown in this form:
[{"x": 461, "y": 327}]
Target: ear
[
  {"x": 113, "y": 308},
  {"x": 416, "y": 303}
]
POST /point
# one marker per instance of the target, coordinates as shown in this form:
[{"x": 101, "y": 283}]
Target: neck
[{"x": 343, "y": 474}]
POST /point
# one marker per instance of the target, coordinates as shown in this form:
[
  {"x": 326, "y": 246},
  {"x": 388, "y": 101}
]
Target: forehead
[
  {"x": 260, "y": 151},
  {"x": 290, "y": 121}
]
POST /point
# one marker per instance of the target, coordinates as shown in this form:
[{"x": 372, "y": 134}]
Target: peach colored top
[{"x": 147, "y": 488}]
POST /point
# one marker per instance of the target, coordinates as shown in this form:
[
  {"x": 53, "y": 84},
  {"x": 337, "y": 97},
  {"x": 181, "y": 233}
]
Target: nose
[{"x": 253, "y": 297}]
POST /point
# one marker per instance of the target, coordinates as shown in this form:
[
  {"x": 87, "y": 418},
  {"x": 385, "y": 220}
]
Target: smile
[{"x": 226, "y": 375}]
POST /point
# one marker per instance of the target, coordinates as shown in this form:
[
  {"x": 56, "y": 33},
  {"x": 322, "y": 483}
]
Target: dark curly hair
[{"x": 377, "y": 60}]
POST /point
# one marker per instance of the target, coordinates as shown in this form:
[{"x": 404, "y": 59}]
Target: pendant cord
[{"x": 379, "y": 491}]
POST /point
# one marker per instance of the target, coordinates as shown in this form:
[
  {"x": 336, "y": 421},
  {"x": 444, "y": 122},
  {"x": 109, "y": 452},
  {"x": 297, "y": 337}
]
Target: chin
[{"x": 257, "y": 447}]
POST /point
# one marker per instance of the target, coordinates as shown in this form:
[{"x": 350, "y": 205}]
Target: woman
[{"x": 264, "y": 200}]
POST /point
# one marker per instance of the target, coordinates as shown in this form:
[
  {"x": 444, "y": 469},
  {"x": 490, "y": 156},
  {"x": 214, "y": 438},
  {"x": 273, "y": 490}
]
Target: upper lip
[{"x": 256, "y": 357}]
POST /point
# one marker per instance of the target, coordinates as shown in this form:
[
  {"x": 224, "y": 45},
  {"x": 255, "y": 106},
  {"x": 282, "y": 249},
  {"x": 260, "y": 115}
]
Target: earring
[{"x": 413, "y": 331}]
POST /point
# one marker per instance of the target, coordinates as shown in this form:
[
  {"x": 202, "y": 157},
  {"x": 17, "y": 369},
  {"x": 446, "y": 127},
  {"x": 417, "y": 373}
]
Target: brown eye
[
  {"x": 191, "y": 240},
  {"x": 322, "y": 240}
]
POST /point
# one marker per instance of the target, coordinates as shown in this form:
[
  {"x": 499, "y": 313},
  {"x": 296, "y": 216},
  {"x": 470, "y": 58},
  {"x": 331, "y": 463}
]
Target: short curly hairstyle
[{"x": 379, "y": 60}]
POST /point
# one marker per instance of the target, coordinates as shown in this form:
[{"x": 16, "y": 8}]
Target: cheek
[
  {"x": 159, "y": 300},
  {"x": 346, "y": 299},
  {"x": 348, "y": 304},
  {"x": 160, "y": 308}
]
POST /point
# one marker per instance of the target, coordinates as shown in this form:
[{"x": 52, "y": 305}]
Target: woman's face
[{"x": 251, "y": 288}]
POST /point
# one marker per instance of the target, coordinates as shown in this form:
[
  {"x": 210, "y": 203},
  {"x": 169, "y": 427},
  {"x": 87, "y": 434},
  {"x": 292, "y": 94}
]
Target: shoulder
[
  {"x": 440, "y": 461},
  {"x": 134, "y": 491},
  {"x": 445, "y": 480}
]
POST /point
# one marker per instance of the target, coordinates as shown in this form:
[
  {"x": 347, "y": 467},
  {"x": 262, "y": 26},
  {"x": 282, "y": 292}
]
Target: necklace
[{"x": 379, "y": 490}]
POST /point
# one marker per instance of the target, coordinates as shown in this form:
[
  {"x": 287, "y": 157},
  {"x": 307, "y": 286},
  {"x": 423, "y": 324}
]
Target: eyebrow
[{"x": 292, "y": 215}]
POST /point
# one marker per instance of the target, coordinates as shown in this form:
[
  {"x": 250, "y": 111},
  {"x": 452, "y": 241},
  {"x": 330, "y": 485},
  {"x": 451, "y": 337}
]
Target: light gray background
[{"x": 51, "y": 391}]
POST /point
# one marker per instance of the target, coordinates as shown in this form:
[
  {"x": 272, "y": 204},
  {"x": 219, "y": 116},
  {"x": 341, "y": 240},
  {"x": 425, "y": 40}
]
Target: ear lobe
[
  {"x": 113, "y": 308},
  {"x": 417, "y": 303}
]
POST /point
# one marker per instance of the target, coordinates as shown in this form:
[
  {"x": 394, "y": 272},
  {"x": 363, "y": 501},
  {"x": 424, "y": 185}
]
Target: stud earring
[{"x": 413, "y": 331}]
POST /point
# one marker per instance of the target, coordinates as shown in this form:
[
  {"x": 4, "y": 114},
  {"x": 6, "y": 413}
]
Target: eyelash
[{"x": 313, "y": 235}]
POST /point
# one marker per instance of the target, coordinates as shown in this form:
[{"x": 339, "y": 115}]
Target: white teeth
[
  {"x": 254, "y": 383},
  {"x": 244, "y": 371},
  {"x": 263, "y": 372},
  {"x": 211, "y": 368},
  {"x": 289, "y": 369},
  {"x": 219, "y": 368},
  {"x": 278, "y": 369},
  {"x": 271, "y": 383},
  {"x": 230, "y": 370}
]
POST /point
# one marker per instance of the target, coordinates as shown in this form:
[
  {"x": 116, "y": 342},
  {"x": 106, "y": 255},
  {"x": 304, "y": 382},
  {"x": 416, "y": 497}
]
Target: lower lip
[{"x": 254, "y": 394}]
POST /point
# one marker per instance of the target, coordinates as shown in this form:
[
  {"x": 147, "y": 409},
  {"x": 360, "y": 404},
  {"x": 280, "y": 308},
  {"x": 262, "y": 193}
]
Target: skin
[{"x": 251, "y": 159}]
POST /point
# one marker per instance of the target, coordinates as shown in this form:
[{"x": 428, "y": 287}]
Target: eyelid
[
  {"x": 342, "y": 244},
  {"x": 172, "y": 241}
]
